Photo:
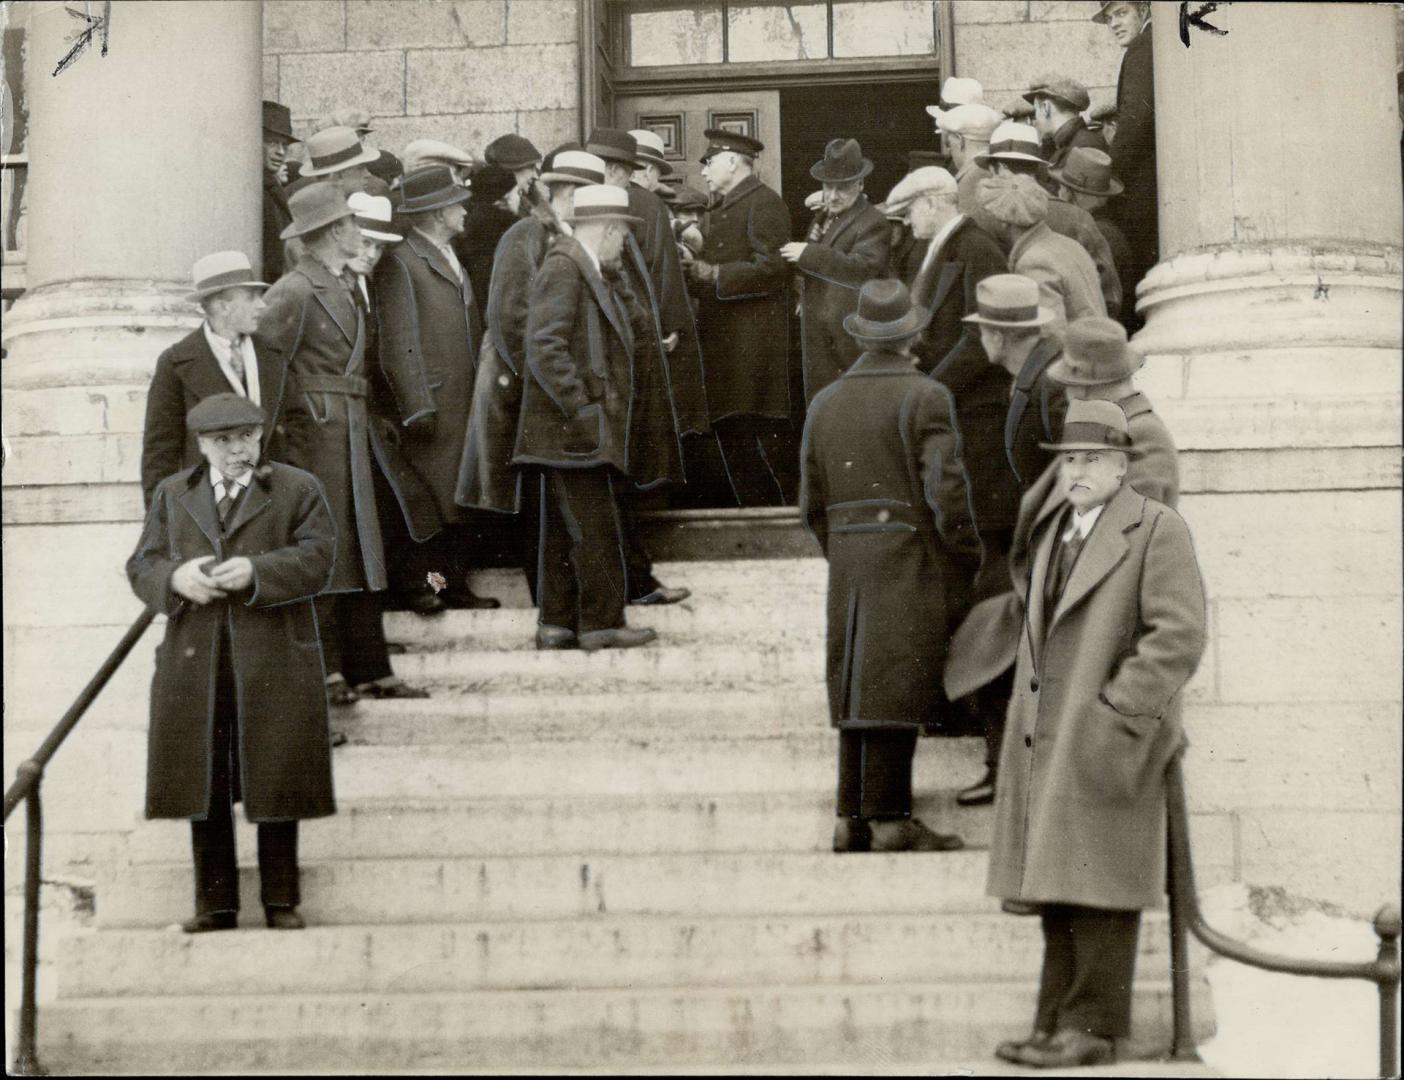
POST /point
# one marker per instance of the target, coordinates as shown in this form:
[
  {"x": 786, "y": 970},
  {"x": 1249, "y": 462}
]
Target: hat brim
[
  {"x": 383, "y": 237},
  {"x": 983, "y": 160},
  {"x": 1116, "y": 186},
  {"x": 664, "y": 168},
  {"x": 611, "y": 153},
  {"x": 1058, "y": 371},
  {"x": 296, "y": 230},
  {"x": 566, "y": 178},
  {"x": 200, "y": 294},
  {"x": 817, "y": 171},
  {"x": 365, "y": 157},
  {"x": 285, "y": 137},
  {"x": 1045, "y": 316},
  {"x": 1131, "y": 451},
  {"x": 628, "y": 219},
  {"x": 440, "y": 201},
  {"x": 913, "y": 322}
]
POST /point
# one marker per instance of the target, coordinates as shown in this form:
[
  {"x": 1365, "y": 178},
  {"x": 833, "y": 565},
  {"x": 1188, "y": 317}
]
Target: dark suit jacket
[
  {"x": 968, "y": 256},
  {"x": 1133, "y": 151},
  {"x": 276, "y": 218},
  {"x": 186, "y": 373},
  {"x": 1074, "y": 133}
]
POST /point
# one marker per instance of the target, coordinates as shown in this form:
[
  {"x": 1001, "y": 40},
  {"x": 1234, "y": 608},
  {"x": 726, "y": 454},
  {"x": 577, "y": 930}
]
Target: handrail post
[
  {"x": 27, "y": 1054},
  {"x": 1387, "y": 928},
  {"x": 1180, "y": 885}
]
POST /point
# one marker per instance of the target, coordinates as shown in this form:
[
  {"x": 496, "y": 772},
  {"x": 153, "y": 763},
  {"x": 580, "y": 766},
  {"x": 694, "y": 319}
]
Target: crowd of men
[{"x": 547, "y": 338}]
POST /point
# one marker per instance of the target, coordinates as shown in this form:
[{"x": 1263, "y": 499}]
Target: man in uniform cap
[
  {"x": 847, "y": 245},
  {"x": 237, "y": 551},
  {"x": 277, "y": 137},
  {"x": 740, "y": 283},
  {"x": 1058, "y": 103},
  {"x": 220, "y": 356},
  {"x": 965, "y": 134},
  {"x": 1133, "y": 150}
]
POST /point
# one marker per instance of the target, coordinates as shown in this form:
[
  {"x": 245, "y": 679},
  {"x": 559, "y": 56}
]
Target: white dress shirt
[
  {"x": 1082, "y": 524},
  {"x": 222, "y": 484},
  {"x": 220, "y": 347}
]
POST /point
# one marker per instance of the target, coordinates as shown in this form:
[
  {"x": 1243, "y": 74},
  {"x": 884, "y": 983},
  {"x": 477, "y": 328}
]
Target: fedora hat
[
  {"x": 335, "y": 149},
  {"x": 512, "y": 152},
  {"x": 614, "y": 144},
  {"x": 374, "y": 216},
  {"x": 1059, "y": 87},
  {"x": 1088, "y": 170},
  {"x": 430, "y": 187},
  {"x": 1095, "y": 351},
  {"x": 277, "y": 122},
  {"x": 312, "y": 207},
  {"x": 954, "y": 92},
  {"x": 843, "y": 162},
  {"x": 1012, "y": 141},
  {"x": 1090, "y": 424},
  {"x": 602, "y": 202},
  {"x": 1009, "y": 302},
  {"x": 574, "y": 167},
  {"x": 222, "y": 270},
  {"x": 650, "y": 149},
  {"x": 719, "y": 139},
  {"x": 886, "y": 312}
]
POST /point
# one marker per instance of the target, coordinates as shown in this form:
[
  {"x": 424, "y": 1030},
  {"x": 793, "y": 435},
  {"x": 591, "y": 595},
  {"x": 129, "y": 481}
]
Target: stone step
[
  {"x": 483, "y": 1031},
  {"x": 569, "y": 954},
  {"x": 601, "y": 762},
  {"x": 564, "y": 825},
  {"x": 342, "y": 892}
]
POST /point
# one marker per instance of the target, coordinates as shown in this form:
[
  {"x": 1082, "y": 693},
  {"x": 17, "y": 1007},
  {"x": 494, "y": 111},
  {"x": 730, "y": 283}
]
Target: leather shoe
[
  {"x": 423, "y": 602},
  {"x": 283, "y": 918},
  {"x": 468, "y": 600},
  {"x": 624, "y": 637},
  {"x": 1020, "y": 907},
  {"x": 980, "y": 793},
  {"x": 661, "y": 594},
  {"x": 1013, "y": 1049},
  {"x": 911, "y": 835},
  {"x": 386, "y": 691},
  {"x": 852, "y": 834},
  {"x": 555, "y": 637},
  {"x": 1069, "y": 1049},
  {"x": 210, "y": 921}
]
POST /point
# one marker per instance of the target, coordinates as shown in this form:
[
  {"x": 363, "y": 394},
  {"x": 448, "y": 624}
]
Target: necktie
[
  {"x": 1065, "y": 556},
  {"x": 236, "y": 360},
  {"x": 229, "y": 495}
]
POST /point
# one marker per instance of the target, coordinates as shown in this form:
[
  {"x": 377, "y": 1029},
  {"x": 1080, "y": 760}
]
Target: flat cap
[
  {"x": 1060, "y": 88},
  {"x": 423, "y": 152},
  {"x": 927, "y": 179},
  {"x": 1014, "y": 200},
  {"x": 220, "y": 412}
]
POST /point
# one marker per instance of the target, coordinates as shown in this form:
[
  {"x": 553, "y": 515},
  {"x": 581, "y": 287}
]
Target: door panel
[{"x": 680, "y": 120}]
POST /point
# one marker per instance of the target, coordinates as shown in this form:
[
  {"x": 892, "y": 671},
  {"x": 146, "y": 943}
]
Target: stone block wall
[{"x": 464, "y": 71}]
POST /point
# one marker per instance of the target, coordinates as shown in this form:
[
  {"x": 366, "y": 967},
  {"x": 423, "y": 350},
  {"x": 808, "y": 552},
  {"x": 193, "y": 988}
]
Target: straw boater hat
[
  {"x": 1091, "y": 424},
  {"x": 843, "y": 162},
  {"x": 512, "y": 152},
  {"x": 1060, "y": 88},
  {"x": 1009, "y": 302},
  {"x": 317, "y": 205},
  {"x": 374, "y": 217},
  {"x": 220, "y": 412},
  {"x": 430, "y": 187},
  {"x": 222, "y": 270},
  {"x": 886, "y": 312},
  {"x": 602, "y": 202},
  {"x": 1095, "y": 352},
  {"x": 335, "y": 149},
  {"x": 956, "y": 92},
  {"x": 650, "y": 149},
  {"x": 277, "y": 122},
  {"x": 1012, "y": 142},
  {"x": 574, "y": 167},
  {"x": 1088, "y": 170}
]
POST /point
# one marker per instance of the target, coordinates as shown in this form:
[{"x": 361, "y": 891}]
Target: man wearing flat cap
[
  {"x": 847, "y": 245},
  {"x": 277, "y": 137},
  {"x": 1079, "y": 830},
  {"x": 222, "y": 355},
  {"x": 1058, "y": 103},
  {"x": 232, "y": 553},
  {"x": 741, "y": 286}
]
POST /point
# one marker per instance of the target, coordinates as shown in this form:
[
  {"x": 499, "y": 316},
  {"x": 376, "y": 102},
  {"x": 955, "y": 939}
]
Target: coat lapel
[
  {"x": 1105, "y": 547},
  {"x": 847, "y": 218},
  {"x": 254, "y": 502},
  {"x": 333, "y": 295},
  {"x": 603, "y": 296},
  {"x": 198, "y": 500},
  {"x": 198, "y": 369},
  {"x": 434, "y": 257},
  {"x": 1033, "y": 624}
]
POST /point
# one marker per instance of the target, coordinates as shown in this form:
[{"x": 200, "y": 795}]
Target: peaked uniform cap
[
  {"x": 602, "y": 202},
  {"x": 886, "y": 312},
  {"x": 335, "y": 149},
  {"x": 373, "y": 215},
  {"x": 719, "y": 139},
  {"x": 650, "y": 149},
  {"x": 512, "y": 152},
  {"x": 1088, "y": 170},
  {"x": 222, "y": 270},
  {"x": 220, "y": 412},
  {"x": 614, "y": 144},
  {"x": 1012, "y": 141},
  {"x": 1008, "y": 301},
  {"x": 314, "y": 206},
  {"x": 277, "y": 122},
  {"x": 843, "y": 162},
  {"x": 1091, "y": 424},
  {"x": 1095, "y": 351},
  {"x": 430, "y": 187},
  {"x": 955, "y": 92},
  {"x": 1069, "y": 91},
  {"x": 575, "y": 167},
  {"x": 977, "y": 121}
]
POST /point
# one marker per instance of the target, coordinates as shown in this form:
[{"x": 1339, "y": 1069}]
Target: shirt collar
[
  {"x": 1081, "y": 524},
  {"x": 231, "y": 484}
]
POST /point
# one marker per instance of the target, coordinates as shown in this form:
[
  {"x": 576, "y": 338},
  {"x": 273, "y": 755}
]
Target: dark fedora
[
  {"x": 1092, "y": 424},
  {"x": 1095, "y": 351},
  {"x": 843, "y": 161},
  {"x": 615, "y": 144},
  {"x": 886, "y": 312},
  {"x": 430, "y": 187},
  {"x": 1089, "y": 171},
  {"x": 512, "y": 152},
  {"x": 277, "y": 122}
]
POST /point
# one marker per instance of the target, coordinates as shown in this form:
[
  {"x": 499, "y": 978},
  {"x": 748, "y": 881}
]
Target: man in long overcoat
[
  {"x": 847, "y": 245},
  {"x": 232, "y": 555},
  {"x": 1133, "y": 149},
  {"x": 1114, "y": 627},
  {"x": 883, "y": 490},
  {"x": 741, "y": 290}
]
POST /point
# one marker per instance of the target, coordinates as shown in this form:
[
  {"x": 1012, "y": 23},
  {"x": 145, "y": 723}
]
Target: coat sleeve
[
  {"x": 280, "y": 330},
  {"x": 1155, "y": 472},
  {"x": 150, "y": 568},
  {"x": 863, "y": 261},
  {"x": 813, "y": 502},
  {"x": 303, "y": 568},
  {"x": 509, "y": 296},
  {"x": 665, "y": 268},
  {"x": 1169, "y": 637},
  {"x": 555, "y": 297},
  {"x": 401, "y": 350},
  {"x": 1091, "y": 238},
  {"x": 934, "y": 436},
  {"x": 163, "y": 437},
  {"x": 1050, "y": 290},
  {"x": 763, "y": 273},
  {"x": 1135, "y": 118}
]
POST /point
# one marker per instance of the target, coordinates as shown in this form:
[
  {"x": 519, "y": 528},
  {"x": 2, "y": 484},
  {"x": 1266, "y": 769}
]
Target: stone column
[{"x": 1273, "y": 332}]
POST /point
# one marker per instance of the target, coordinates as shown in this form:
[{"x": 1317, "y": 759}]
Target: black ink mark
[
  {"x": 84, "y": 37},
  {"x": 1199, "y": 20}
]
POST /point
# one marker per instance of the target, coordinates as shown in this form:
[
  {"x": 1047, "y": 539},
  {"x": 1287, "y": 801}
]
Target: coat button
[
  {"x": 1028, "y": 740},
  {"x": 189, "y": 651},
  {"x": 883, "y": 515},
  {"x": 504, "y": 380},
  {"x": 1033, "y": 684}
]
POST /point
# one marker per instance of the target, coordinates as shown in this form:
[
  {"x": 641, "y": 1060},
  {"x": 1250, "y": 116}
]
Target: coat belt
[
  {"x": 350, "y": 385},
  {"x": 880, "y": 515}
]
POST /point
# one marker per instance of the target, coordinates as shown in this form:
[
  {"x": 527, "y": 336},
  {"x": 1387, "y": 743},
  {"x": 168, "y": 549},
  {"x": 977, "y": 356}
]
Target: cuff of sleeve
[
  {"x": 252, "y": 601},
  {"x": 417, "y": 416}
]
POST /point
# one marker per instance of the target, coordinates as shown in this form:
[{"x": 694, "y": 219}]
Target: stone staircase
[{"x": 566, "y": 861}]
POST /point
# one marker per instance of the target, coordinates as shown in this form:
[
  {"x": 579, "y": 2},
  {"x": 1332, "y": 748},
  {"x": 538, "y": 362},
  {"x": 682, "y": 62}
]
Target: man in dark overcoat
[
  {"x": 582, "y": 341},
  {"x": 277, "y": 137},
  {"x": 846, "y": 246},
  {"x": 741, "y": 290},
  {"x": 883, "y": 490},
  {"x": 1059, "y": 103},
  {"x": 1114, "y": 627},
  {"x": 1133, "y": 149},
  {"x": 232, "y": 555},
  {"x": 429, "y": 338},
  {"x": 221, "y": 356}
]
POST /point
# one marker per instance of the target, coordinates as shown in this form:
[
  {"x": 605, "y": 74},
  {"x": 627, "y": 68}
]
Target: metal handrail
[
  {"x": 1185, "y": 914},
  {"x": 26, "y": 788}
]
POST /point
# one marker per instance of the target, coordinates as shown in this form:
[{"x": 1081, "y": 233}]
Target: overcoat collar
[
  {"x": 844, "y": 220},
  {"x": 1069, "y": 131},
  {"x": 570, "y": 247},
  {"x": 880, "y": 362},
  {"x": 1031, "y": 235},
  {"x": 747, "y": 187},
  {"x": 427, "y": 250},
  {"x": 950, "y": 268},
  {"x": 331, "y": 292}
]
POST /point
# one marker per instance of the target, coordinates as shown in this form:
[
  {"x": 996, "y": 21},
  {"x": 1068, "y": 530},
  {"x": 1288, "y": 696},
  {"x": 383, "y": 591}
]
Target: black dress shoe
[
  {"x": 211, "y": 921},
  {"x": 338, "y": 738},
  {"x": 661, "y": 594},
  {"x": 423, "y": 602},
  {"x": 555, "y": 637},
  {"x": 283, "y": 918},
  {"x": 468, "y": 600},
  {"x": 1069, "y": 1049},
  {"x": 912, "y": 835},
  {"x": 624, "y": 637},
  {"x": 852, "y": 834},
  {"x": 1013, "y": 1049},
  {"x": 386, "y": 691},
  {"x": 980, "y": 793}
]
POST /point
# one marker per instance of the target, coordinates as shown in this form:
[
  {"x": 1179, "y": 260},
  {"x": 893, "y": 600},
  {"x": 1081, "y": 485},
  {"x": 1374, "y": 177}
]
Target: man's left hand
[
  {"x": 792, "y": 251},
  {"x": 233, "y": 575},
  {"x": 670, "y": 342}
]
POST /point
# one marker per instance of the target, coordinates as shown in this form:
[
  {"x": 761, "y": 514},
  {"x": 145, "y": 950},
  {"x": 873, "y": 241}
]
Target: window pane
[
  {"x": 884, "y": 27},
  {"x": 778, "y": 31},
  {"x": 676, "y": 36}
]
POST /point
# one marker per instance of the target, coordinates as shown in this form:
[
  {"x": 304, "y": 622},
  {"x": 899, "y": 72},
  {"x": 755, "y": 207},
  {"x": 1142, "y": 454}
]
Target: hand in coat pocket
[
  {"x": 1118, "y": 750},
  {"x": 584, "y": 431}
]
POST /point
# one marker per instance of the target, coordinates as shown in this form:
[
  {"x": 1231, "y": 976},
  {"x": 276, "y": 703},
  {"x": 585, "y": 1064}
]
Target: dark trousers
[
  {"x": 1089, "y": 962},
  {"x": 875, "y": 773},
  {"x": 638, "y": 565},
  {"x": 212, "y": 840},
  {"x": 581, "y": 575},
  {"x": 353, "y": 636},
  {"x": 752, "y": 448}
]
